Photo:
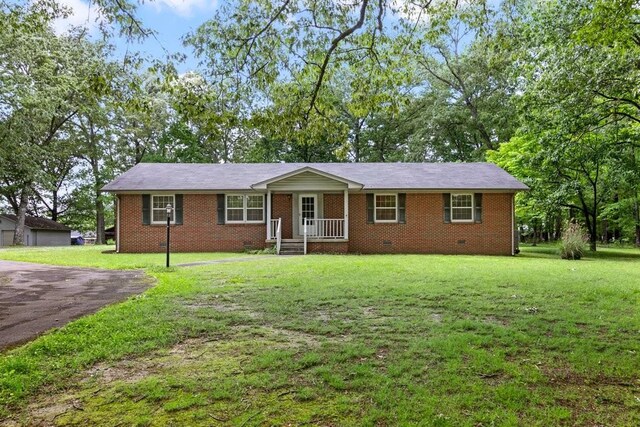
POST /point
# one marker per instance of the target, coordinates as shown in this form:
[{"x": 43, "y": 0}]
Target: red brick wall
[
  {"x": 198, "y": 233},
  {"x": 328, "y": 247},
  {"x": 425, "y": 231},
  {"x": 281, "y": 208},
  {"x": 333, "y": 205}
]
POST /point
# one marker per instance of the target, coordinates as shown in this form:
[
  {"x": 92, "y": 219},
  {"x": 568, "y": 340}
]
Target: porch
[{"x": 309, "y": 209}]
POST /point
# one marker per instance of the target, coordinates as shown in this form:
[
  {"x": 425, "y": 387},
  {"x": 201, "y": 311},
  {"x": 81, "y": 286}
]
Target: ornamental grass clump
[{"x": 574, "y": 241}]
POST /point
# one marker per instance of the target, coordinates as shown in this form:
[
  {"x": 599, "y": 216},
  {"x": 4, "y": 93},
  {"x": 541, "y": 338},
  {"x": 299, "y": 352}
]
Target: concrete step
[{"x": 291, "y": 248}]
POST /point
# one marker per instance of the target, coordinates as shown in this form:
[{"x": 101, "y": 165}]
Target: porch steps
[{"x": 292, "y": 248}]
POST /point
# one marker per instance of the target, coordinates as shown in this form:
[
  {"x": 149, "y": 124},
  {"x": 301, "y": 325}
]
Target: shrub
[{"x": 574, "y": 241}]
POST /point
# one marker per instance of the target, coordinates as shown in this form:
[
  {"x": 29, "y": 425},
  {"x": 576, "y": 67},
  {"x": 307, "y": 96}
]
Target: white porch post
[
  {"x": 268, "y": 214},
  {"x": 346, "y": 213}
]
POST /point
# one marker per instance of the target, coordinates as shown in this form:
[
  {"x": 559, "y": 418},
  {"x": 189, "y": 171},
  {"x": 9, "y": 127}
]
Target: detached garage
[{"x": 37, "y": 231}]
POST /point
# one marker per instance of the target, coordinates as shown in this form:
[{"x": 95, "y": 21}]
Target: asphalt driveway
[{"x": 36, "y": 297}]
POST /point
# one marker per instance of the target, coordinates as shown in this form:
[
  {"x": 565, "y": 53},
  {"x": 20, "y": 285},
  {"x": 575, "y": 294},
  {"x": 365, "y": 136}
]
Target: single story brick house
[
  {"x": 37, "y": 231},
  {"x": 446, "y": 208}
]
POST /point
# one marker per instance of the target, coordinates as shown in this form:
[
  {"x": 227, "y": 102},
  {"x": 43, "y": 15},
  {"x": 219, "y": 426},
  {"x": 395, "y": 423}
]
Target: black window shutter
[
  {"x": 370, "y": 208},
  {"x": 477, "y": 200},
  {"x": 446, "y": 202},
  {"x": 178, "y": 209},
  {"x": 221, "y": 209},
  {"x": 402, "y": 202},
  {"x": 146, "y": 209}
]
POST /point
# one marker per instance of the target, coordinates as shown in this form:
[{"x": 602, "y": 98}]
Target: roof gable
[{"x": 310, "y": 173}]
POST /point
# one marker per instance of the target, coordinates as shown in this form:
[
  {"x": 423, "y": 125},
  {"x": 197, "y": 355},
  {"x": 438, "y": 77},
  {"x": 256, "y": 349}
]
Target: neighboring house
[
  {"x": 347, "y": 207},
  {"x": 37, "y": 231}
]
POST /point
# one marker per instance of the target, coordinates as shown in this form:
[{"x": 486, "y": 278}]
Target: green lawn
[
  {"x": 345, "y": 340},
  {"x": 104, "y": 256}
]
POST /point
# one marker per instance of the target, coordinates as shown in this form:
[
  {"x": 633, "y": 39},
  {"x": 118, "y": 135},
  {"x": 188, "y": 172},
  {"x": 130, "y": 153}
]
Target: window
[
  {"x": 386, "y": 208},
  {"x": 462, "y": 207},
  {"x": 159, "y": 209},
  {"x": 235, "y": 208},
  {"x": 245, "y": 208},
  {"x": 255, "y": 208}
]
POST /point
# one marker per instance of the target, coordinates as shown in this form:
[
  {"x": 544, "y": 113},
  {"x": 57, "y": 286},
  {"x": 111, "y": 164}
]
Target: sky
[{"x": 170, "y": 19}]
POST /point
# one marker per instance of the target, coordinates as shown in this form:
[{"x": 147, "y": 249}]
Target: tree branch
[{"x": 334, "y": 45}]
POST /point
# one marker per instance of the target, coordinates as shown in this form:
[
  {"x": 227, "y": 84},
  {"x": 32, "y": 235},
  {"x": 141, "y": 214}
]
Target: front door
[{"x": 308, "y": 208}]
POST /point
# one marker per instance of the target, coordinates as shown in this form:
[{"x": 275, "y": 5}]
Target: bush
[{"x": 574, "y": 241}]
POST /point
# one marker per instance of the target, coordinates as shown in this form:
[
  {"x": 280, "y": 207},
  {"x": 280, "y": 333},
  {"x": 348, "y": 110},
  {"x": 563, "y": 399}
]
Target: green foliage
[{"x": 574, "y": 240}]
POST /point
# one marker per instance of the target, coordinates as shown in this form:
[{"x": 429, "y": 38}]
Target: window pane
[
  {"x": 234, "y": 215},
  {"x": 385, "y": 214},
  {"x": 162, "y": 201},
  {"x": 255, "y": 202},
  {"x": 461, "y": 200},
  {"x": 308, "y": 207},
  {"x": 462, "y": 214},
  {"x": 254, "y": 214},
  {"x": 234, "y": 201},
  {"x": 385, "y": 201},
  {"x": 159, "y": 215}
]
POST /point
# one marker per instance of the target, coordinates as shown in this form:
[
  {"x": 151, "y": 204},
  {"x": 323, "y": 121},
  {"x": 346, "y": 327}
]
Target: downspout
[
  {"x": 117, "y": 223},
  {"x": 513, "y": 225}
]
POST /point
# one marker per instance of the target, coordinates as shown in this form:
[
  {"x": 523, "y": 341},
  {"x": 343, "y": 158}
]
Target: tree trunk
[
  {"x": 54, "y": 206},
  {"x": 99, "y": 204},
  {"x": 99, "y": 220},
  {"x": 558, "y": 227},
  {"x": 592, "y": 226},
  {"x": 636, "y": 214},
  {"x": 18, "y": 235}
]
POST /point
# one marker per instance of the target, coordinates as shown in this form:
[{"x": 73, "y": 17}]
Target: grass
[
  {"x": 347, "y": 340},
  {"x": 104, "y": 256}
]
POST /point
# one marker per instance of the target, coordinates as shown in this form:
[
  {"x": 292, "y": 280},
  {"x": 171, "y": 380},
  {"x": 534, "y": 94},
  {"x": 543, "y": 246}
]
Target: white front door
[{"x": 308, "y": 208}]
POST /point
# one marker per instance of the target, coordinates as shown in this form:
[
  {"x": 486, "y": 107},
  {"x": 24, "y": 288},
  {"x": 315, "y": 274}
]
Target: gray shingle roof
[
  {"x": 373, "y": 176},
  {"x": 38, "y": 223}
]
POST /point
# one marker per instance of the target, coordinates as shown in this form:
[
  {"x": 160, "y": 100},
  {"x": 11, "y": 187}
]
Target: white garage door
[{"x": 6, "y": 239}]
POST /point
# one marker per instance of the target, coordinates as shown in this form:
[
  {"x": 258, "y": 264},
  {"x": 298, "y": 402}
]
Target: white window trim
[
  {"x": 472, "y": 208},
  {"x": 173, "y": 209},
  {"x": 245, "y": 198},
  {"x": 375, "y": 208}
]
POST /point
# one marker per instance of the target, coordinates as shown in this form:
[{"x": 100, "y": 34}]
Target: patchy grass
[
  {"x": 104, "y": 256},
  {"x": 349, "y": 340}
]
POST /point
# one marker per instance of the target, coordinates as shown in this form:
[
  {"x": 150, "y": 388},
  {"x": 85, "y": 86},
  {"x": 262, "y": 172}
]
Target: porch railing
[
  {"x": 324, "y": 228},
  {"x": 276, "y": 232},
  {"x": 274, "y": 228}
]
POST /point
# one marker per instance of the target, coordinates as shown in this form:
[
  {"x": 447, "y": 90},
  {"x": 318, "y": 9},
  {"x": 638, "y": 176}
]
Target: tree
[
  {"x": 576, "y": 97},
  {"x": 465, "y": 69},
  {"x": 45, "y": 80}
]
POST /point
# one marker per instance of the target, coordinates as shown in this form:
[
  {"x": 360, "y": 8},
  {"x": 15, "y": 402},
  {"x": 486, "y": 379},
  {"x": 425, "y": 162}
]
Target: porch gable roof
[{"x": 351, "y": 185}]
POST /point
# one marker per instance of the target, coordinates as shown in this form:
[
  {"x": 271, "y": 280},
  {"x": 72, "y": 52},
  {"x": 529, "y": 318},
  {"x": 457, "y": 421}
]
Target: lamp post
[{"x": 168, "y": 230}]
